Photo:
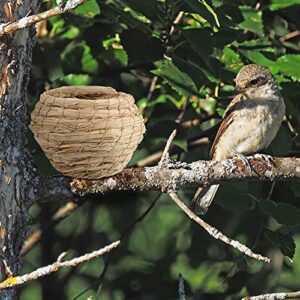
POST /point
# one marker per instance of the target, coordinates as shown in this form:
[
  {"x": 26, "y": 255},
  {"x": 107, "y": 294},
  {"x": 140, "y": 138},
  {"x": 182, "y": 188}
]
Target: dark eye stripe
[{"x": 258, "y": 81}]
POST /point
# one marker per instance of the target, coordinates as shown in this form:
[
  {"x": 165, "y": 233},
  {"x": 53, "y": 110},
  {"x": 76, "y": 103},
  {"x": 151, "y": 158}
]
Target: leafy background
[{"x": 182, "y": 78}]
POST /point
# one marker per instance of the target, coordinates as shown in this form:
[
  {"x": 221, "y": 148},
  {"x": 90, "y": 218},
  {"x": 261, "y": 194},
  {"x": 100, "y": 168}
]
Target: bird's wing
[{"x": 228, "y": 118}]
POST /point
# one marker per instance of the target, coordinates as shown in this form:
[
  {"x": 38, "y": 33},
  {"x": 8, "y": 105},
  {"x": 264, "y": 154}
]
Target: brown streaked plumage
[{"x": 250, "y": 123}]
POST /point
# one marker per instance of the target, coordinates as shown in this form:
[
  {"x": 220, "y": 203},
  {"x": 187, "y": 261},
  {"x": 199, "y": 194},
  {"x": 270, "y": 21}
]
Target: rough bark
[
  {"x": 17, "y": 180},
  {"x": 178, "y": 175}
]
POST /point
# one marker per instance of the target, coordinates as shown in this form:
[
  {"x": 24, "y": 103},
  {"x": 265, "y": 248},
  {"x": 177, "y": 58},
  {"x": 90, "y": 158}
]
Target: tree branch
[
  {"x": 53, "y": 189},
  {"x": 41, "y": 272},
  {"x": 177, "y": 175},
  {"x": 215, "y": 233},
  {"x": 275, "y": 296},
  {"x": 11, "y": 27}
]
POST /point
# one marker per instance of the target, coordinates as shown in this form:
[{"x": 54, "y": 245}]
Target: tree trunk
[{"x": 17, "y": 178}]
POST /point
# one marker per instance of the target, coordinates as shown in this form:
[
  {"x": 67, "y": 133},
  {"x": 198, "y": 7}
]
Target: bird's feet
[
  {"x": 267, "y": 158},
  {"x": 244, "y": 159}
]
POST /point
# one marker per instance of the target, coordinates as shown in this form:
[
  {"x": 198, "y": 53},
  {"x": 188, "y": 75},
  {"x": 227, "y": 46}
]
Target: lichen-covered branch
[
  {"x": 275, "y": 296},
  {"x": 178, "y": 175},
  {"x": 215, "y": 233},
  {"x": 11, "y": 27},
  {"x": 59, "y": 264}
]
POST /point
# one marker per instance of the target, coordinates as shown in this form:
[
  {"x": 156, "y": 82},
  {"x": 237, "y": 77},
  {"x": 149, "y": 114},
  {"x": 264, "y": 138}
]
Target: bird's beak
[{"x": 238, "y": 90}]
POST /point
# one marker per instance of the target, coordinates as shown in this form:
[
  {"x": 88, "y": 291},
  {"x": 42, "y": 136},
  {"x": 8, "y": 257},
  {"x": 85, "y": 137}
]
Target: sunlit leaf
[
  {"x": 252, "y": 20},
  {"x": 196, "y": 6},
  {"x": 279, "y": 4},
  {"x": 289, "y": 65},
  {"x": 88, "y": 9},
  {"x": 232, "y": 60},
  {"x": 77, "y": 79}
]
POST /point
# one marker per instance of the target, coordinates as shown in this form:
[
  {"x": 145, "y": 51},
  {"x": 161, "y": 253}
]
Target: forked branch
[{"x": 59, "y": 264}]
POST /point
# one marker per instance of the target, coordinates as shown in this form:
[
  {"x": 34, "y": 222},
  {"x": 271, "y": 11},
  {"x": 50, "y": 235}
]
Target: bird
[{"x": 249, "y": 124}]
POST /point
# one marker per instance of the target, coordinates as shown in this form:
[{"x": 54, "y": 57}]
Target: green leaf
[
  {"x": 284, "y": 213},
  {"x": 72, "y": 33},
  {"x": 284, "y": 242},
  {"x": 279, "y": 4},
  {"x": 179, "y": 81},
  {"x": 209, "y": 8},
  {"x": 288, "y": 214},
  {"x": 193, "y": 70},
  {"x": 88, "y": 62},
  {"x": 147, "y": 8},
  {"x": 77, "y": 58},
  {"x": 88, "y": 9},
  {"x": 252, "y": 20},
  {"x": 209, "y": 14},
  {"x": 289, "y": 65},
  {"x": 200, "y": 40},
  {"x": 232, "y": 60},
  {"x": 261, "y": 59},
  {"x": 181, "y": 143},
  {"x": 77, "y": 79}
]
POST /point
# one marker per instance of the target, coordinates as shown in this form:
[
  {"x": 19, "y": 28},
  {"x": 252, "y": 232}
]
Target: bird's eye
[{"x": 255, "y": 81}]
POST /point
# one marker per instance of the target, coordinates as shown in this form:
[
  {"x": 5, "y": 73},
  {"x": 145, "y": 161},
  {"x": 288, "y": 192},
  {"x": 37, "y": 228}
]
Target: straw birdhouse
[{"x": 87, "y": 132}]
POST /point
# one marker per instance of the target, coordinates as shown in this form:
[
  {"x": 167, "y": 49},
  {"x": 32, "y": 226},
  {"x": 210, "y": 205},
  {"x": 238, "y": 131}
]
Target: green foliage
[
  {"x": 178, "y": 80},
  {"x": 279, "y": 4},
  {"x": 285, "y": 243},
  {"x": 88, "y": 9},
  {"x": 180, "y": 73}
]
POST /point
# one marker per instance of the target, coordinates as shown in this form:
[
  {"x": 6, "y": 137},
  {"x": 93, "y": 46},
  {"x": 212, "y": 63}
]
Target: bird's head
[{"x": 255, "y": 81}]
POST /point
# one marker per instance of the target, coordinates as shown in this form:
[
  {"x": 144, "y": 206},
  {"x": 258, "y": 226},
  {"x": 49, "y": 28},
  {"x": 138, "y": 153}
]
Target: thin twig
[
  {"x": 215, "y": 233},
  {"x": 290, "y": 35},
  {"x": 275, "y": 296},
  {"x": 154, "y": 158},
  {"x": 41, "y": 272},
  {"x": 11, "y": 27},
  {"x": 152, "y": 87},
  {"x": 165, "y": 156},
  {"x": 178, "y": 18}
]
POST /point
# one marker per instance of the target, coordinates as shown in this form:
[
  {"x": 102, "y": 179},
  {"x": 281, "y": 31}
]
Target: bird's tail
[{"x": 203, "y": 198}]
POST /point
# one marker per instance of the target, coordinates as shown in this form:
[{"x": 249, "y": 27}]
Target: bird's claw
[
  {"x": 268, "y": 158},
  {"x": 244, "y": 159}
]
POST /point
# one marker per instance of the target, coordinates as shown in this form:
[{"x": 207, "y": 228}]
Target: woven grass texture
[{"x": 87, "y": 132}]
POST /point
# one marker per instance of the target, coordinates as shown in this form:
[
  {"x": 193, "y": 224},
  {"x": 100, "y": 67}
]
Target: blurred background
[{"x": 178, "y": 58}]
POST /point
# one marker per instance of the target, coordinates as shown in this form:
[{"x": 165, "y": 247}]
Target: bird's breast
[{"x": 253, "y": 127}]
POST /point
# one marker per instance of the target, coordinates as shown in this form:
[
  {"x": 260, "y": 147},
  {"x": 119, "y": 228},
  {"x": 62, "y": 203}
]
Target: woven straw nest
[{"x": 87, "y": 132}]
